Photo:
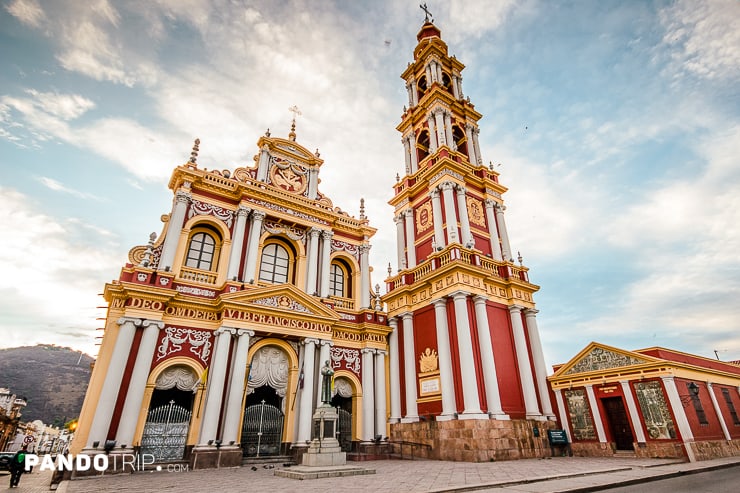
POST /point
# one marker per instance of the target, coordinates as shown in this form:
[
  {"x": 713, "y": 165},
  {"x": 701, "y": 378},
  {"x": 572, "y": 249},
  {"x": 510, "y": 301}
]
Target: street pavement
[{"x": 559, "y": 474}]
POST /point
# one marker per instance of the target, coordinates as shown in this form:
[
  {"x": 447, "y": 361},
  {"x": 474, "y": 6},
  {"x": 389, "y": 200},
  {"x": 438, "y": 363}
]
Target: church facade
[{"x": 468, "y": 375}]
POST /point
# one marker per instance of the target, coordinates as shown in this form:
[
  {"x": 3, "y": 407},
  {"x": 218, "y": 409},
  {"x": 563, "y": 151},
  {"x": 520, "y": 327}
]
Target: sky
[{"x": 615, "y": 125}]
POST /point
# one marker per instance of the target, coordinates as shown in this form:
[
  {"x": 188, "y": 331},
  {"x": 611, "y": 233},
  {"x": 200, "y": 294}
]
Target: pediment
[
  {"x": 284, "y": 298},
  {"x": 597, "y": 357}
]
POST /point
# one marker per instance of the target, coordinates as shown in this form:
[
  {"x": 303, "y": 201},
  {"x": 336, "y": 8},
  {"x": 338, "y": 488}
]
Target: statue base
[{"x": 324, "y": 449}]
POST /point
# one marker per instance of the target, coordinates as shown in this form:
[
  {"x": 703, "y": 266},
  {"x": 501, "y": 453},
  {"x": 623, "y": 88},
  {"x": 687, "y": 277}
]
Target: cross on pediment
[{"x": 427, "y": 15}]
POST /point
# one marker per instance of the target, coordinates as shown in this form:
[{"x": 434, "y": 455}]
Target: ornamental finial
[
  {"x": 296, "y": 112},
  {"x": 362, "y": 209},
  {"x": 194, "y": 153},
  {"x": 427, "y": 15}
]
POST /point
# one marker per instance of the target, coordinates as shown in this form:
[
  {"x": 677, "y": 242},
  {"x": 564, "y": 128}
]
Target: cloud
[
  {"x": 29, "y": 12},
  {"x": 53, "y": 184}
]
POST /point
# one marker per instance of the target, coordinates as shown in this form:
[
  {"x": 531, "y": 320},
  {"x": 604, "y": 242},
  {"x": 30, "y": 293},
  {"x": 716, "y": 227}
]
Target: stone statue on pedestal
[{"x": 327, "y": 374}]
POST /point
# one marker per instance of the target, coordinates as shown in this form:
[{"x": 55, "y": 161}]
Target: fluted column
[
  {"x": 174, "y": 227},
  {"x": 215, "y": 391},
  {"x": 682, "y": 423},
  {"x": 717, "y": 410},
  {"x": 324, "y": 356},
  {"x": 414, "y": 155},
  {"x": 312, "y": 260},
  {"x": 414, "y": 93},
  {"x": 462, "y": 206},
  {"x": 313, "y": 183},
  {"x": 487, "y": 359},
  {"x": 250, "y": 265},
  {"x": 364, "y": 276},
  {"x": 237, "y": 386},
  {"x": 305, "y": 413},
  {"x": 471, "y": 147},
  {"x": 563, "y": 412},
  {"x": 432, "y": 133},
  {"x": 428, "y": 72},
  {"x": 632, "y": 410},
  {"x": 493, "y": 230},
  {"x": 400, "y": 240},
  {"x": 467, "y": 363},
  {"x": 407, "y": 154},
  {"x": 538, "y": 358},
  {"x": 264, "y": 163},
  {"x": 395, "y": 371},
  {"x": 238, "y": 242},
  {"x": 447, "y": 382},
  {"x": 439, "y": 72},
  {"x": 439, "y": 235},
  {"x": 455, "y": 87},
  {"x": 410, "y": 239},
  {"x": 380, "y": 404},
  {"x": 112, "y": 383},
  {"x": 409, "y": 369},
  {"x": 450, "y": 216},
  {"x": 523, "y": 363},
  {"x": 502, "y": 232},
  {"x": 476, "y": 131},
  {"x": 440, "y": 126},
  {"x": 137, "y": 383},
  {"x": 448, "y": 131},
  {"x": 368, "y": 395},
  {"x": 325, "y": 262},
  {"x": 600, "y": 433}
]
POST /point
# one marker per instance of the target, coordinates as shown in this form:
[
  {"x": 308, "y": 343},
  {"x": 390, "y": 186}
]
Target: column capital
[
  {"x": 479, "y": 299},
  {"x": 393, "y": 322},
  {"x": 325, "y": 342},
  {"x": 434, "y": 193},
  {"x": 460, "y": 189},
  {"x": 243, "y": 211},
  {"x": 327, "y": 234},
  {"x": 456, "y": 295},
  {"x": 367, "y": 350},
  {"x": 500, "y": 207},
  {"x": 447, "y": 185},
  {"x": 440, "y": 302},
  {"x": 244, "y": 332},
  {"x": 409, "y": 212},
  {"x": 399, "y": 218},
  {"x": 515, "y": 309},
  {"x": 157, "y": 323},
  {"x": 258, "y": 215},
  {"x": 667, "y": 378},
  {"x": 490, "y": 203},
  {"x": 183, "y": 197},
  {"x": 225, "y": 330},
  {"x": 381, "y": 352},
  {"x": 531, "y": 312},
  {"x": 314, "y": 232},
  {"x": 309, "y": 340},
  {"x": 709, "y": 385},
  {"x": 135, "y": 321},
  {"x": 364, "y": 248},
  {"x": 407, "y": 316}
]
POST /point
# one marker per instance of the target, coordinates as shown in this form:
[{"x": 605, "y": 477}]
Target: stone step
[{"x": 272, "y": 459}]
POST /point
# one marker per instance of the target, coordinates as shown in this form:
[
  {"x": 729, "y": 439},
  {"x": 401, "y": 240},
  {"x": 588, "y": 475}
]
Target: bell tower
[{"x": 465, "y": 344}]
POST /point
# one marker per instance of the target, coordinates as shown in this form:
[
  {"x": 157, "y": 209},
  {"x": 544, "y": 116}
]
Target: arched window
[
  {"x": 201, "y": 251},
  {"x": 339, "y": 280},
  {"x": 275, "y": 264}
]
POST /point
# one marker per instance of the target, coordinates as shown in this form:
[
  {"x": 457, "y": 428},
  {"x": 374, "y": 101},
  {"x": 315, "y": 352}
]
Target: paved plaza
[{"x": 533, "y": 475}]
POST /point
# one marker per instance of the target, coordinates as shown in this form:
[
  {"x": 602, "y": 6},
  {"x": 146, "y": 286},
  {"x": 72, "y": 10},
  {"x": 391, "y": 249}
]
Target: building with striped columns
[
  {"x": 468, "y": 376},
  {"x": 216, "y": 329}
]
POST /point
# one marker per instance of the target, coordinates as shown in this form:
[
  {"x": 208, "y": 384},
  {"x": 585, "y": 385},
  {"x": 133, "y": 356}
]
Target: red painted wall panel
[
  {"x": 712, "y": 429},
  {"x": 512, "y": 400},
  {"x": 124, "y": 385}
]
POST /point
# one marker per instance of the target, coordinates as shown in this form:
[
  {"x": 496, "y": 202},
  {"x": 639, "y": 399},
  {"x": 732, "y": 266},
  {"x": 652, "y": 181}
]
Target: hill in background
[{"x": 53, "y": 379}]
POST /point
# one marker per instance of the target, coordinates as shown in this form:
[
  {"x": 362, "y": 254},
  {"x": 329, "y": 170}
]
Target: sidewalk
[
  {"x": 31, "y": 482},
  {"x": 575, "y": 474}
]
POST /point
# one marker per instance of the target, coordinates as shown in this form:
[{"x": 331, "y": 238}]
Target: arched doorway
[
  {"x": 342, "y": 401},
  {"x": 168, "y": 419},
  {"x": 264, "y": 414}
]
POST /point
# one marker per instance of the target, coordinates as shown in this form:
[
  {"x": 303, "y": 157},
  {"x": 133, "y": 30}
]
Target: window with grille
[
  {"x": 200, "y": 251},
  {"x": 731, "y": 406},
  {"x": 337, "y": 281},
  {"x": 697, "y": 406},
  {"x": 275, "y": 264}
]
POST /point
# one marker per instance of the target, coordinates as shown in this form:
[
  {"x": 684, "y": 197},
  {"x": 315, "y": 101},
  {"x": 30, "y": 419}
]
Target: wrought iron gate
[
  {"x": 262, "y": 432},
  {"x": 166, "y": 431},
  {"x": 345, "y": 430}
]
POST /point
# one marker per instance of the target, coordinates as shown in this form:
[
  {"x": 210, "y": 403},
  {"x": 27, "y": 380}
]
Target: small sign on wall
[{"x": 430, "y": 384}]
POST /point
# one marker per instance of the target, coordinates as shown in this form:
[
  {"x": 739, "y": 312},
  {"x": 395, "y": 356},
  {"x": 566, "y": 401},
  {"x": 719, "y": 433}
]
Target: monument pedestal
[{"x": 324, "y": 449}]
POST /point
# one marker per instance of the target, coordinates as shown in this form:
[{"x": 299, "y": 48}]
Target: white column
[
  {"x": 112, "y": 383},
  {"x": 305, "y": 412},
  {"x": 439, "y": 72},
  {"x": 395, "y": 371},
  {"x": 137, "y": 383},
  {"x": 538, "y": 358},
  {"x": 717, "y": 410},
  {"x": 264, "y": 163},
  {"x": 409, "y": 369},
  {"x": 400, "y": 240},
  {"x": 325, "y": 262},
  {"x": 174, "y": 227},
  {"x": 409, "y": 91},
  {"x": 313, "y": 183},
  {"x": 364, "y": 276},
  {"x": 439, "y": 235},
  {"x": 462, "y": 206},
  {"x": 368, "y": 395},
  {"x": 414, "y": 155},
  {"x": 467, "y": 364},
  {"x": 449, "y": 405},
  {"x": 440, "y": 126},
  {"x": 600, "y": 433},
  {"x": 380, "y": 404},
  {"x": 450, "y": 216},
  {"x": 488, "y": 363},
  {"x": 455, "y": 87},
  {"x": 493, "y": 230},
  {"x": 448, "y": 131},
  {"x": 250, "y": 265},
  {"x": 324, "y": 356},
  {"x": 502, "y": 231},
  {"x": 235, "y": 399},
  {"x": 428, "y": 72},
  {"x": 312, "y": 260},
  {"x": 522, "y": 359},
  {"x": 414, "y": 93},
  {"x": 632, "y": 409},
  {"x": 459, "y": 87},
  {"x": 237, "y": 243},
  {"x": 678, "y": 412},
  {"x": 476, "y": 131},
  {"x": 471, "y": 146},
  {"x": 410, "y": 240},
  {"x": 432, "y": 133},
  {"x": 216, "y": 380},
  {"x": 407, "y": 154},
  {"x": 563, "y": 412}
]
